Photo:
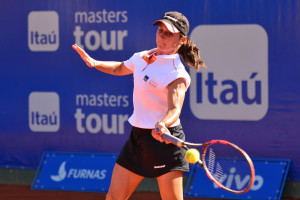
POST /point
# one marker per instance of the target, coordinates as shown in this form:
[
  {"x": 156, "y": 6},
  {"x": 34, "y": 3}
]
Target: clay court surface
[{"x": 20, "y": 192}]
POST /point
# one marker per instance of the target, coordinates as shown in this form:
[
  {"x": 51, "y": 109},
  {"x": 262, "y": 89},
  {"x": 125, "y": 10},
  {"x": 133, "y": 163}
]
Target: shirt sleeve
[
  {"x": 178, "y": 74},
  {"x": 130, "y": 63}
]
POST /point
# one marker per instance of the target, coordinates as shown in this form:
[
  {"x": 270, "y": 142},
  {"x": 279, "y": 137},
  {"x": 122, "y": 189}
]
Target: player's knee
[
  {"x": 114, "y": 196},
  {"x": 109, "y": 196}
]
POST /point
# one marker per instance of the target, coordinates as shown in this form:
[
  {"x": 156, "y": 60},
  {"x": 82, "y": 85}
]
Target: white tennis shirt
[{"x": 152, "y": 74}]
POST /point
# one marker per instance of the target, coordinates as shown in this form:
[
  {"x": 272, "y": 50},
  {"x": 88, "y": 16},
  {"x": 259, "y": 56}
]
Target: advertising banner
[
  {"x": 270, "y": 176},
  {"x": 51, "y": 101},
  {"x": 85, "y": 172}
]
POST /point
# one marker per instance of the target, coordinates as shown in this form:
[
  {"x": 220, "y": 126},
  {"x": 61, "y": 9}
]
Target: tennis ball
[{"x": 192, "y": 155}]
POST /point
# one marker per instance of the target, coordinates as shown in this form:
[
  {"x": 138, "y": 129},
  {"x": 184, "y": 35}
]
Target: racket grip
[{"x": 174, "y": 140}]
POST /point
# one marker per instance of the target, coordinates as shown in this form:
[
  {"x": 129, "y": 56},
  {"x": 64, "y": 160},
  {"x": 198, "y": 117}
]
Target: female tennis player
[{"x": 160, "y": 83}]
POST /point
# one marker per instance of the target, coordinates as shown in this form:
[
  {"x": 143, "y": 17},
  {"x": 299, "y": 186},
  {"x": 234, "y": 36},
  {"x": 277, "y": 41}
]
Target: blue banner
[
  {"x": 51, "y": 101},
  {"x": 87, "y": 172},
  {"x": 269, "y": 181}
]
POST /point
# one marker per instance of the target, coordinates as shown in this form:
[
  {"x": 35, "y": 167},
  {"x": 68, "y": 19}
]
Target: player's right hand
[
  {"x": 85, "y": 57},
  {"x": 159, "y": 129}
]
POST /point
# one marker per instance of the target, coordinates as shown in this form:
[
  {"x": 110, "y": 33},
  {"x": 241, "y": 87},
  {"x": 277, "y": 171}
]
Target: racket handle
[{"x": 174, "y": 140}]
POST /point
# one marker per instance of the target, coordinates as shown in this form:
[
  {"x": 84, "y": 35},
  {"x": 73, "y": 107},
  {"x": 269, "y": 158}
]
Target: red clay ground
[{"x": 20, "y": 192}]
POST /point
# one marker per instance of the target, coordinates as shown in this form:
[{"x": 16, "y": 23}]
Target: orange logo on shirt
[{"x": 152, "y": 84}]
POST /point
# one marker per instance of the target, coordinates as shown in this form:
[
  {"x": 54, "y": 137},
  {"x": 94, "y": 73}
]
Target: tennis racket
[{"x": 221, "y": 159}]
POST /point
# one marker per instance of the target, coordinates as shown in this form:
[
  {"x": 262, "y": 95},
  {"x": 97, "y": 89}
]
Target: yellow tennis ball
[{"x": 192, "y": 155}]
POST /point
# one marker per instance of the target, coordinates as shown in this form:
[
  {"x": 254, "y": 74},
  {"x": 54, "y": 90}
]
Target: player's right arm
[{"x": 109, "y": 67}]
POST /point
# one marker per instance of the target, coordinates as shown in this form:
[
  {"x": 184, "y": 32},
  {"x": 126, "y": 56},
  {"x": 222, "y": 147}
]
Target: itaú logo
[
  {"x": 43, "y": 31},
  {"x": 235, "y": 84},
  {"x": 75, "y": 173},
  {"x": 44, "y": 112}
]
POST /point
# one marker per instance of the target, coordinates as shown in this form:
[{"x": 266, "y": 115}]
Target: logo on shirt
[
  {"x": 151, "y": 82},
  {"x": 146, "y": 78}
]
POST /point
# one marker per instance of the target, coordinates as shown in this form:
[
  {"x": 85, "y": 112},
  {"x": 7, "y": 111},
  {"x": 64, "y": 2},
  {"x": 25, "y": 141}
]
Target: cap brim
[{"x": 169, "y": 26}]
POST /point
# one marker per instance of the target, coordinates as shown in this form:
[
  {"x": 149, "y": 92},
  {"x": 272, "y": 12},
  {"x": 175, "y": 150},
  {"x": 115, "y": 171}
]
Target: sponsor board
[
  {"x": 74, "y": 172},
  {"x": 270, "y": 177}
]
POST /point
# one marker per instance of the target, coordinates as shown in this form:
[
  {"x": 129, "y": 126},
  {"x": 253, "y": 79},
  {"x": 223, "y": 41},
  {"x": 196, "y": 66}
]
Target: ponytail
[{"x": 191, "y": 55}]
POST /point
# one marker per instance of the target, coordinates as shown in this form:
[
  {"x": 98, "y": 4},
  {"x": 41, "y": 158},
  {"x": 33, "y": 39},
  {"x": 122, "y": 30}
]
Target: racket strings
[
  {"x": 211, "y": 160},
  {"x": 218, "y": 173},
  {"x": 228, "y": 166}
]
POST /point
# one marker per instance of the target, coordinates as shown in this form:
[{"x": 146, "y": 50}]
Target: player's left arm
[{"x": 176, "y": 95}]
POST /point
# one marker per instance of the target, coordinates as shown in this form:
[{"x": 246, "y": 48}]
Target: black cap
[{"x": 175, "y": 22}]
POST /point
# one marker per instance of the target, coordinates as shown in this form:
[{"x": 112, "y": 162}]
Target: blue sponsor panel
[
  {"x": 270, "y": 176},
  {"x": 90, "y": 172}
]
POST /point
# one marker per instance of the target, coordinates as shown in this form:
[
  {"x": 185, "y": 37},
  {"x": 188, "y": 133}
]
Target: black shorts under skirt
[{"x": 147, "y": 157}]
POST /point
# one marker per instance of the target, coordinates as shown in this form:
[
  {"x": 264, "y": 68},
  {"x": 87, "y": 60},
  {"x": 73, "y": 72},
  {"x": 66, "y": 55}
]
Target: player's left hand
[{"x": 85, "y": 57}]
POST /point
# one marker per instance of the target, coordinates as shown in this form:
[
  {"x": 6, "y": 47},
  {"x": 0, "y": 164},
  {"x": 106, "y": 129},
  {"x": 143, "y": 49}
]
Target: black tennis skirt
[{"x": 147, "y": 157}]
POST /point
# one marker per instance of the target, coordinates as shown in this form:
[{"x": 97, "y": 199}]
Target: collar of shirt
[{"x": 151, "y": 56}]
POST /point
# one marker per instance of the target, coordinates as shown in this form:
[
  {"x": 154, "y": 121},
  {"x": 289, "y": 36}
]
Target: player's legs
[
  {"x": 123, "y": 183},
  {"x": 171, "y": 185}
]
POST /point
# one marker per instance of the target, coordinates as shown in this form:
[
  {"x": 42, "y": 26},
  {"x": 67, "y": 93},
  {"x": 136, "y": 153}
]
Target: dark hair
[{"x": 191, "y": 54}]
